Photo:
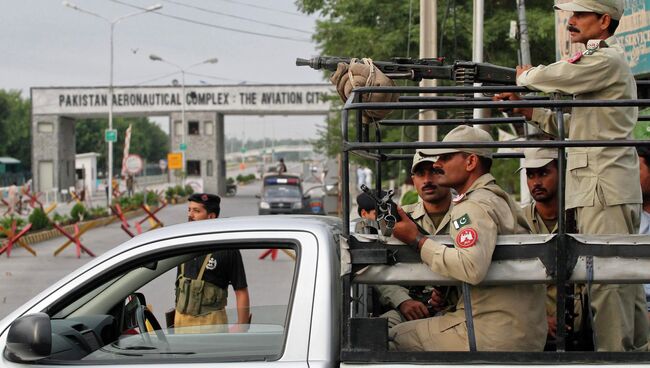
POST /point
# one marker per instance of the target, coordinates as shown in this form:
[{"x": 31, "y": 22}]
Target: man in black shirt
[{"x": 202, "y": 283}]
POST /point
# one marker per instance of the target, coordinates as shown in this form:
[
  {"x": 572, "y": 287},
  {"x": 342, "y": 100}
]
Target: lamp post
[
  {"x": 112, "y": 24},
  {"x": 183, "y": 97}
]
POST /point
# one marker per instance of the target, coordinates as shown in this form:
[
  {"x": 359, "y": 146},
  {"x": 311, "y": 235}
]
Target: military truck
[{"x": 314, "y": 306}]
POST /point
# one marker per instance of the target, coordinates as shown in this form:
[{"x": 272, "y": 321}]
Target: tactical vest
[{"x": 195, "y": 296}]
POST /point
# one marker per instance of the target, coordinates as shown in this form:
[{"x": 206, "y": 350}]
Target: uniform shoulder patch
[
  {"x": 461, "y": 221},
  {"x": 458, "y": 198},
  {"x": 466, "y": 238},
  {"x": 574, "y": 59}
]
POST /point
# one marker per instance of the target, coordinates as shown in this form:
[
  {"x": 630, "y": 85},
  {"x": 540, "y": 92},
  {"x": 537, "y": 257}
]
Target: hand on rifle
[{"x": 526, "y": 112}]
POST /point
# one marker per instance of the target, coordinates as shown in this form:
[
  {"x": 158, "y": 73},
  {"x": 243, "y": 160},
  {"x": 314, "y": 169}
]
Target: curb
[{"x": 54, "y": 233}]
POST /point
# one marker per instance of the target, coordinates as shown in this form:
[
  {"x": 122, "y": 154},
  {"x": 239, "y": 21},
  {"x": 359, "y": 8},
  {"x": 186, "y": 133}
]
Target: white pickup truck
[{"x": 108, "y": 312}]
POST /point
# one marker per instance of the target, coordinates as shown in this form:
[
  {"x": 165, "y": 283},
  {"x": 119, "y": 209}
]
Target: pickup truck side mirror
[
  {"x": 30, "y": 338},
  {"x": 307, "y": 196}
]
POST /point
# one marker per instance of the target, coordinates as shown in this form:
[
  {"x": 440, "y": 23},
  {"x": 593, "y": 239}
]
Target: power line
[
  {"x": 214, "y": 25},
  {"x": 236, "y": 16},
  {"x": 262, "y": 7}
]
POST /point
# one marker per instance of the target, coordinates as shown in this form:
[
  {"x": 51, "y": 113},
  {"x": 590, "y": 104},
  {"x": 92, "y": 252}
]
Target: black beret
[
  {"x": 365, "y": 202},
  {"x": 208, "y": 200}
]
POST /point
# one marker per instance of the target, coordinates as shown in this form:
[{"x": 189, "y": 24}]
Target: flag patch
[{"x": 461, "y": 221}]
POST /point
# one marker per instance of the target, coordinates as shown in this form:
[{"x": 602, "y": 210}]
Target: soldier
[
  {"x": 366, "y": 208},
  {"x": 432, "y": 214},
  {"x": 506, "y": 318},
  {"x": 201, "y": 286},
  {"x": 541, "y": 214},
  {"x": 598, "y": 184}
]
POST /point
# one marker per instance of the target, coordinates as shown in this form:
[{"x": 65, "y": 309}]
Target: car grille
[{"x": 281, "y": 205}]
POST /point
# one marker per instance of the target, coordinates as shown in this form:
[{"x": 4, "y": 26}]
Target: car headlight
[
  {"x": 264, "y": 205},
  {"x": 296, "y": 205}
]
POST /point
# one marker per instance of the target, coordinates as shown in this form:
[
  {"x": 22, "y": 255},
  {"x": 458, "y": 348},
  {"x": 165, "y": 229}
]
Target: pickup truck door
[{"x": 108, "y": 312}]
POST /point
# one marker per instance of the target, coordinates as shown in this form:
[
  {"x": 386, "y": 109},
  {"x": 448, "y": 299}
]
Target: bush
[
  {"x": 6, "y": 222},
  {"x": 152, "y": 198},
  {"x": 409, "y": 197},
  {"x": 60, "y": 219},
  {"x": 97, "y": 212},
  {"x": 78, "y": 212},
  {"x": 230, "y": 181},
  {"x": 170, "y": 192},
  {"x": 188, "y": 190},
  {"x": 39, "y": 219},
  {"x": 180, "y": 191},
  {"x": 137, "y": 200}
]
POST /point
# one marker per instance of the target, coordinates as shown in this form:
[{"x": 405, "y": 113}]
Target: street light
[
  {"x": 112, "y": 24},
  {"x": 183, "y": 97}
]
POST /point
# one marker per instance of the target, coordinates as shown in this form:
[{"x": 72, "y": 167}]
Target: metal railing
[{"x": 561, "y": 254}]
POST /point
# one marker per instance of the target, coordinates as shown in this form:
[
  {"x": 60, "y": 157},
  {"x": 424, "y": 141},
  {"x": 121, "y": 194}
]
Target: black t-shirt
[{"x": 225, "y": 267}]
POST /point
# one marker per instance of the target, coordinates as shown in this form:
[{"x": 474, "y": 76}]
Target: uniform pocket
[{"x": 577, "y": 161}]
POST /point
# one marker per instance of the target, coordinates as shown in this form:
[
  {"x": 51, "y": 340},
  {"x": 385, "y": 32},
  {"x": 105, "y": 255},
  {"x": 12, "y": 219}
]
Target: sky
[{"x": 44, "y": 43}]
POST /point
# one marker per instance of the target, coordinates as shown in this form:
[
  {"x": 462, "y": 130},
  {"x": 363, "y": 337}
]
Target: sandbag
[{"x": 364, "y": 74}]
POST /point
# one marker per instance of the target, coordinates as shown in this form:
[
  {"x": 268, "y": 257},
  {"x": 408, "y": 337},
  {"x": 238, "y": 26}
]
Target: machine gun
[
  {"x": 387, "y": 214},
  {"x": 462, "y": 72}
]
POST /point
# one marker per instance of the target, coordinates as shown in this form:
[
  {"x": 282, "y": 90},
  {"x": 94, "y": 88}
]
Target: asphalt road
[{"x": 22, "y": 276}]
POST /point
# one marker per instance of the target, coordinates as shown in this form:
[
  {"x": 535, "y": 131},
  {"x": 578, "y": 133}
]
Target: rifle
[
  {"x": 387, "y": 214},
  {"x": 464, "y": 72}
]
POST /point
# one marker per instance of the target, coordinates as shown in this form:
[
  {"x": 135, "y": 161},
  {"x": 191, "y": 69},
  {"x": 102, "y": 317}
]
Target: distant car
[{"x": 282, "y": 194}]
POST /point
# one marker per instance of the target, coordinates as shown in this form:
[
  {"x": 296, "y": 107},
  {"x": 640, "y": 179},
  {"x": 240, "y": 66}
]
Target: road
[{"x": 23, "y": 276}]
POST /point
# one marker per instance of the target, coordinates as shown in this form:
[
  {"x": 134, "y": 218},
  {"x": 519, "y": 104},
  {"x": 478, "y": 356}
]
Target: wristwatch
[{"x": 416, "y": 243}]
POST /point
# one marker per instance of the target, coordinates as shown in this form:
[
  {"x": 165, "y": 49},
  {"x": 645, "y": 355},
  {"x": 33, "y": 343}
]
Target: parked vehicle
[{"x": 282, "y": 194}]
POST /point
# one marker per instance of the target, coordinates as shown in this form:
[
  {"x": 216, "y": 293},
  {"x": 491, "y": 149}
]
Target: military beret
[
  {"x": 365, "y": 201},
  {"x": 208, "y": 200}
]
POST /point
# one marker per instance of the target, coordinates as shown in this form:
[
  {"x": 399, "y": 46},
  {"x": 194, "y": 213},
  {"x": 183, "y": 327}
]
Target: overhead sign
[
  {"x": 633, "y": 33},
  {"x": 175, "y": 160},
  {"x": 133, "y": 164},
  {"x": 258, "y": 99},
  {"x": 110, "y": 135}
]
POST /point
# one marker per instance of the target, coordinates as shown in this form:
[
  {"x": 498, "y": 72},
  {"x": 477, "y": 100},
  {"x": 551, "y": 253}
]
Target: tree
[
  {"x": 15, "y": 127},
  {"x": 147, "y": 140},
  {"x": 381, "y": 29}
]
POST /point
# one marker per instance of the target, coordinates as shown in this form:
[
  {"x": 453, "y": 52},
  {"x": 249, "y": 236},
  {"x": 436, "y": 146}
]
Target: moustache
[
  {"x": 432, "y": 187},
  {"x": 572, "y": 29}
]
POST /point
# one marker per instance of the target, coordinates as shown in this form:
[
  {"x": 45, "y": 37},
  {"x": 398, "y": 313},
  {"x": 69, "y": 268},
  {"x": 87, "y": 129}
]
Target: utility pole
[
  {"x": 428, "y": 49},
  {"x": 524, "y": 45},
  {"x": 524, "y": 52},
  {"x": 477, "y": 46}
]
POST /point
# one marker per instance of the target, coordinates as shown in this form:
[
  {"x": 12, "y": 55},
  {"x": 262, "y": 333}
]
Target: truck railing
[{"x": 558, "y": 259}]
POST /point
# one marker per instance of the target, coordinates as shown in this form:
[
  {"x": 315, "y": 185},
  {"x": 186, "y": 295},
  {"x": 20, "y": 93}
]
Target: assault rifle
[
  {"x": 387, "y": 214},
  {"x": 462, "y": 72}
]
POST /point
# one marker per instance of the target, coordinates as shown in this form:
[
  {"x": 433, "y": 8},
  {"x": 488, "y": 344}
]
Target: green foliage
[
  {"x": 39, "y": 219},
  {"x": 147, "y": 139},
  {"x": 6, "y": 222},
  {"x": 409, "y": 197},
  {"x": 15, "y": 126},
  {"x": 170, "y": 192},
  {"x": 188, "y": 190},
  {"x": 380, "y": 29},
  {"x": 78, "y": 212},
  {"x": 180, "y": 190},
  {"x": 230, "y": 181},
  {"x": 152, "y": 198},
  {"x": 504, "y": 171},
  {"x": 245, "y": 179},
  {"x": 97, "y": 212},
  {"x": 60, "y": 219},
  {"x": 136, "y": 200}
]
